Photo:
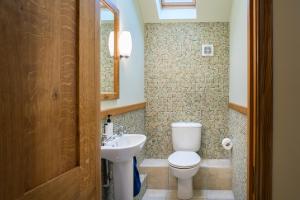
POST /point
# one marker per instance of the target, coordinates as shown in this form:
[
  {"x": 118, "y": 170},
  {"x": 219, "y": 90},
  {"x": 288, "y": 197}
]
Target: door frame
[{"x": 260, "y": 100}]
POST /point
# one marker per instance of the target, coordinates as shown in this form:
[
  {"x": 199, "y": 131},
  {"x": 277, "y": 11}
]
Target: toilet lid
[{"x": 184, "y": 159}]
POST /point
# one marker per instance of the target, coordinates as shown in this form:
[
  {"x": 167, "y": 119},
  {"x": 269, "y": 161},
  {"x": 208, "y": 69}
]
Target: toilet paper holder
[{"x": 227, "y": 144}]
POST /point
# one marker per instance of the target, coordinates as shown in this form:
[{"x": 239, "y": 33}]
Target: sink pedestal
[
  {"x": 121, "y": 151},
  {"x": 123, "y": 180}
]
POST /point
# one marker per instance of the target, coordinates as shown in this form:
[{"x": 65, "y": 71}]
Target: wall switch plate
[{"x": 207, "y": 50}]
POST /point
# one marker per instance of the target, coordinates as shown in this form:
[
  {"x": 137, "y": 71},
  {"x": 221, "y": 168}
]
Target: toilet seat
[{"x": 184, "y": 159}]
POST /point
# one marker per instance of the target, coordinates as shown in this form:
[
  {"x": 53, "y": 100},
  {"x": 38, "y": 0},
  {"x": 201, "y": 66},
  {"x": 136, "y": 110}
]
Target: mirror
[{"x": 109, "y": 56}]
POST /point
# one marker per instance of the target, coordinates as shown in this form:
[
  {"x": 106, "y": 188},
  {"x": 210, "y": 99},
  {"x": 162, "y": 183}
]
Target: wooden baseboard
[
  {"x": 122, "y": 109},
  {"x": 238, "y": 108}
]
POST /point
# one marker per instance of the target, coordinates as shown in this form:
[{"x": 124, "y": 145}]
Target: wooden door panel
[
  {"x": 49, "y": 107},
  {"x": 63, "y": 187}
]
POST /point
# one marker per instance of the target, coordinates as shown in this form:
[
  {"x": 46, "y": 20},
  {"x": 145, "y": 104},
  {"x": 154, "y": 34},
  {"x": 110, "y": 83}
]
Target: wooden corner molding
[
  {"x": 238, "y": 108},
  {"x": 260, "y": 103},
  {"x": 122, "y": 109}
]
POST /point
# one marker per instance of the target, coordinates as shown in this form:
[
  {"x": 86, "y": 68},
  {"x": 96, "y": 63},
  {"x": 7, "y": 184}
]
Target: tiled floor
[
  {"x": 198, "y": 195},
  {"x": 213, "y": 174}
]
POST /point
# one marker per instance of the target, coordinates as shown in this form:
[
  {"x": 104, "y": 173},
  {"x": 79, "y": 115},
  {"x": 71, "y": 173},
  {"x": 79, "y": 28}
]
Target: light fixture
[
  {"x": 125, "y": 45},
  {"x": 111, "y": 43}
]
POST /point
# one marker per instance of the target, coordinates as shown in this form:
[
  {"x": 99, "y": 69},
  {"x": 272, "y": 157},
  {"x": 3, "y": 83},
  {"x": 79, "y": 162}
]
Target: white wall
[
  {"x": 207, "y": 11},
  {"x": 238, "y": 53},
  {"x": 132, "y": 69},
  {"x": 286, "y": 153}
]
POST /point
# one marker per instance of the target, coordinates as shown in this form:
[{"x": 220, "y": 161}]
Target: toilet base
[{"x": 185, "y": 188}]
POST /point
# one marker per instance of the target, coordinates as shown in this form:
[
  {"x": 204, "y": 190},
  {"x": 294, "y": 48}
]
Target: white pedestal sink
[{"x": 121, "y": 151}]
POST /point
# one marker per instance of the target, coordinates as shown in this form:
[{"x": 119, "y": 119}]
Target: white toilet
[{"x": 185, "y": 162}]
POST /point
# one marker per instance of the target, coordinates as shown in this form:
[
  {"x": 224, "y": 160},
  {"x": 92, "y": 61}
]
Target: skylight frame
[{"x": 165, "y": 4}]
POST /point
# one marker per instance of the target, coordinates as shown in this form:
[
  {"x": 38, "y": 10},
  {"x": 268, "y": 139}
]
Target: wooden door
[{"x": 49, "y": 91}]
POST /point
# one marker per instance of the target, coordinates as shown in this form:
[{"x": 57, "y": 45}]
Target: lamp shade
[
  {"x": 125, "y": 45},
  {"x": 111, "y": 43}
]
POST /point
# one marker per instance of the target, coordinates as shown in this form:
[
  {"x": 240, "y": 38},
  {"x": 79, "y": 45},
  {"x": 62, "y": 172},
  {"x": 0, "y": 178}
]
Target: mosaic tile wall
[
  {"x": 135, "y": 124},
  {"x": 106, "y": 61},
  {"x": 181, "y": 85},
  {"x": 238, "y": 131}
]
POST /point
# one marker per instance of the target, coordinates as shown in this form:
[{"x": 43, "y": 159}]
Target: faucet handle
[
  {"x": 125, "y": 131},
  {"x": 120, "y": 130},
  {"x": 117, "y": 128}
]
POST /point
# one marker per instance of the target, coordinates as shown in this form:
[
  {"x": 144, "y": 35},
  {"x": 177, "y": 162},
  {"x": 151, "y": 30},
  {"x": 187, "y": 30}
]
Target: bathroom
[
  {"x": 149, "y": 99},
  {"x": 181, "y": 67}
]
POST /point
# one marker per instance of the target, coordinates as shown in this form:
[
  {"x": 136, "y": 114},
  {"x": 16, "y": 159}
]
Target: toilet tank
[{"x": 186, "y": 136}]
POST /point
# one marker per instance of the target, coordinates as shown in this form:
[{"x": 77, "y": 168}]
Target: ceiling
[{"x": 207, "y": 11}]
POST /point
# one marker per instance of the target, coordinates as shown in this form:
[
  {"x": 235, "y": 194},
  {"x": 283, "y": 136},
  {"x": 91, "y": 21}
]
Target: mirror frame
[{"x": 114, "y": 95}]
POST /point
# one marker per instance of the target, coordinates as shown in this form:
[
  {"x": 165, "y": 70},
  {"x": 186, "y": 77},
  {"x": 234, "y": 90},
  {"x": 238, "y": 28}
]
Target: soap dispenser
[{"x": 109, "y": 128}]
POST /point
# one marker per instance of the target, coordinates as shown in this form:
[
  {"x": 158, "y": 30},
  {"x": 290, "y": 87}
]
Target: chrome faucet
[
  {"x": 106, "y": 139},
  {"x": 119, "y": 132}
]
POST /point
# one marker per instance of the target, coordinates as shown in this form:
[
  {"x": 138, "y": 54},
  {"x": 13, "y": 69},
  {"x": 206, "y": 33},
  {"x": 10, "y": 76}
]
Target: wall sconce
[
  {"x": 111, "y": 43},
  {"x": 125, "y": 44}
]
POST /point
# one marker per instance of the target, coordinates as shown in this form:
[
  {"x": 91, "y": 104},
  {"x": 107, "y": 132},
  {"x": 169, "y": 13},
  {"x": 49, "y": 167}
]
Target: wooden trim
[
  {"x": 97, "y": 86},
  {"x": 252, "y": 15},
  {"x": 116, "y": 94},
  {"x": 165, "y": 4},
  {"x": 62, "y": 187},
  {"x": 261, "y": 100},
  {"x": 88, "y": 104},
  {"x": 110, "y": 5},
  {"x": 238, "y": 108},
  {"x": 264, "y": 106},
  {"x": 122, "y": 110},
  {"x": 109, "y": 96},
  {"x": 251, "y": 100}
]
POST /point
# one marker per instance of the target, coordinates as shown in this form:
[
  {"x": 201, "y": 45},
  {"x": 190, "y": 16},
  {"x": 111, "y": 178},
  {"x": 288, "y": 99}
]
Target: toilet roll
[{"x": 227, "y": 144}]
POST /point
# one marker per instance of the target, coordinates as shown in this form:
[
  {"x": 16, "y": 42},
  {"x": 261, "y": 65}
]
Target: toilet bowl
[{"x": 184, "y": 163}]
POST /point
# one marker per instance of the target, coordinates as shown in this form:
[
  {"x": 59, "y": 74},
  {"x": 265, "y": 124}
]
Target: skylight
[
  {"x": 176, "y": 9},
  {"x": 178, "y": 3}
]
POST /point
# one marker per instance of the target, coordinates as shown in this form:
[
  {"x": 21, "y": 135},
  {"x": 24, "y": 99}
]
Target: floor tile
[{"x": 198, "y": 195}]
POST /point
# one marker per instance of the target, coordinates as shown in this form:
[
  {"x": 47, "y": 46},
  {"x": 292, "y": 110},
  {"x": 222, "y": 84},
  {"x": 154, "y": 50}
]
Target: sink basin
[
  {"x": 123, "y": 148},
  {"x": 120, "y": 151}
]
